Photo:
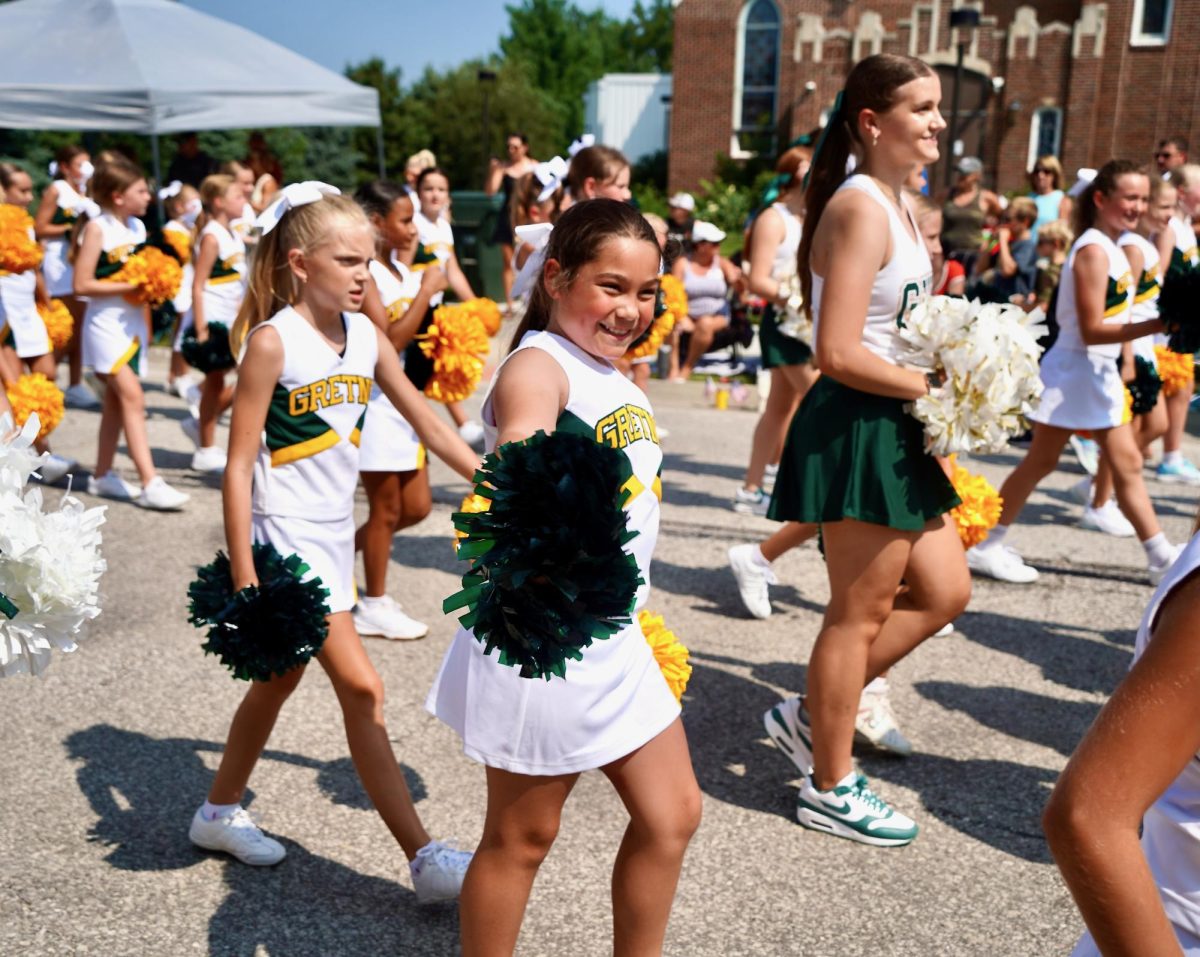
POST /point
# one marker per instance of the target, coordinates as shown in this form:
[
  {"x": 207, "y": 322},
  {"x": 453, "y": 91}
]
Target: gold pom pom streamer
[
  {"x": 1127, "y": 412},
  {"x": 674, "y": 296},
  {"x": 669, "y": 652},
  {"x": 457, "y": 344},
  {"x": 35, "y": 393},
  {"x": 472, "y": 503},
  {"x": 156, "y": 275},
  {"x": 59, "y": 323},
  {"x": 981, "y": 505},
  {"x": 1176, "y": 370},
  {"x": 19, "y": 251},
  {"x": 180, "y": 242}
]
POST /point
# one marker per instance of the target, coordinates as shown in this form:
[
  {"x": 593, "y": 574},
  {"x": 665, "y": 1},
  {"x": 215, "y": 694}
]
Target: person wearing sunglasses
[
  {"x": 1171, "y": 154},
  {"x": 1046, "y": 180}
]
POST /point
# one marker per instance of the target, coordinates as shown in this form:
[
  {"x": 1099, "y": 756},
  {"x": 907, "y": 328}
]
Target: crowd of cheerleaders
[{"x": 330, "y": 396}]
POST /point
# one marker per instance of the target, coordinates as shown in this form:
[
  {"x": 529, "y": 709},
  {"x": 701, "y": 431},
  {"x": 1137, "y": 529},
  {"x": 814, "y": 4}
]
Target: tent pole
[
  {"x": 158, "y": 183},
  {"x": 379, "y": 151}
]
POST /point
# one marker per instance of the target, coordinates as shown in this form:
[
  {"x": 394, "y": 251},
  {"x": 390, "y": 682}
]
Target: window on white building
[
  {"x": 756, "y": 77},
  {"x": 1045, "y": 134},
  {"x": 1151, "y": 22}
]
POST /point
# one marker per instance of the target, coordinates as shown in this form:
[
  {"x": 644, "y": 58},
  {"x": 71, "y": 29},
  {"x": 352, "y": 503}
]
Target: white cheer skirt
[{"x": 1081, "y": 391}]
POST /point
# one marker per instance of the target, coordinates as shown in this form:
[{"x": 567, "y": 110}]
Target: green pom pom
[
  {"x": 550, "y": 572},
  {"x": 1145, "y": 386},
  {"x": 7, "y": 608},
  {"x": 1177, "y": 307},
  {"x": 212, "y": 355},
  {"x": 263, "y": 630}
]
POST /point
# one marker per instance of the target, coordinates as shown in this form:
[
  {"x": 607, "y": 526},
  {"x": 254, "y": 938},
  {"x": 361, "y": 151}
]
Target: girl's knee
[
  {"x": 361, "y": 693},
  {"x": 528, "y": 841},
  {"x": 673, "y": 825}
]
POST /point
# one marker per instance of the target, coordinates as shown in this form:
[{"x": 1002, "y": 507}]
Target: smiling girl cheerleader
[
  {"x": 60, "y": 207},
  {"x": 613, "y": 710},
  {"x": 392, "y": 459},
  {"x": 309, "y": 359}
]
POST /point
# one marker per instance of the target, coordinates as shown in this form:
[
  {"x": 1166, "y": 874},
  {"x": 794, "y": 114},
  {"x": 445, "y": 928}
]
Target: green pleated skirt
[
  {"x": 778, "y": 349},
  {"x": 852, "y": 454}
]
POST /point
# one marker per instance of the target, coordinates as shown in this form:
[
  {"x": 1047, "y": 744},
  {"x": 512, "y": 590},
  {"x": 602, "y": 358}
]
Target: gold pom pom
[
  {"x": 472, "y": 503},
  {"x": 1176, "y": 370},
  {"x": 457, "y": 344},
  {"x": 671, "y": 655},
  {"x": 35, "y": 393},
  {"x": 19, "y": 250},
  {"x": 59, "y": 323},
  {"x": 155, "y": 274},
  {"x": 674, "y": 296},
  {"x": 180, "y": 242},
  {"x": 980, "y": 508},
  {"x": 661, "y": 327},
  {"x": 1127, "y": 412}
]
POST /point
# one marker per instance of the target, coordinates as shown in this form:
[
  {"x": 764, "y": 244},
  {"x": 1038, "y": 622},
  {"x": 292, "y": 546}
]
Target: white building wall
[{"x": 627, "y": 110}]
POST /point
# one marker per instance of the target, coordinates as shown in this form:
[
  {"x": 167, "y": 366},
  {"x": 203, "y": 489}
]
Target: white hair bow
[
  {"x": 292, "y": 196},
  {"x": 550, "y": 174},
  {"x": 1083, "y": 179},
  {"x": 171, "y": 189},
  {"x": 53, "y": 168},
  {"x": 86, "y": 169},
  {"x": 581, "y": 144}
]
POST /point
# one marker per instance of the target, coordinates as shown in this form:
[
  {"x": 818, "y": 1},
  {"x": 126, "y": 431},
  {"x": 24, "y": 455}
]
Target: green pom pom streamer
[
  {"x": 550, "y": 573},
  {"x": 1179, "y": 309},
  {"x": 212, "y": 355},
  {"x": 7, "y": 608},
  {"x": 1145, "y": 386},
  {"x": 262, "y": 630}
]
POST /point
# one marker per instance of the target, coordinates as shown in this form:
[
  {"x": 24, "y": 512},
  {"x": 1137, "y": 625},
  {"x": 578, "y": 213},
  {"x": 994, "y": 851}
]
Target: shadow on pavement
[
  {"x": 1041, "y": 719},
  {"x": 717, "y": 590}
]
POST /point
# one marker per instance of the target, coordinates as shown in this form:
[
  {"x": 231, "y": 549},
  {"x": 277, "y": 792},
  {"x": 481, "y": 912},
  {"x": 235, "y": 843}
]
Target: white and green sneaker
[
  {"x": 852, "y": 810},
  {"x": 787, "y": 725}
]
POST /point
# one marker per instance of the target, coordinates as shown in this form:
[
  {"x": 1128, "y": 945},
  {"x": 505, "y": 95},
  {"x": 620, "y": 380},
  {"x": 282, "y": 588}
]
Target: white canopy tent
[{"x": 156, "y": 66}]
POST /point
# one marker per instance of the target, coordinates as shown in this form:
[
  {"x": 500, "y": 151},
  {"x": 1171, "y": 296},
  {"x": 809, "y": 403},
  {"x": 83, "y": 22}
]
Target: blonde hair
[
  {"x": 1185, "y": 176},
  {"x": 1058, "y": 232},
  {"x": 420, "y": 161},
  {"x": 112, "y": 176},
  {"x": 271, "y": 285},
  {"x": 1051, "y": 163},
  {"x": 1024, "y": 209}
]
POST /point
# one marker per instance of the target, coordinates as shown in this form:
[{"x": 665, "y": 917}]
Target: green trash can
[{"x": 474, "y": 216}]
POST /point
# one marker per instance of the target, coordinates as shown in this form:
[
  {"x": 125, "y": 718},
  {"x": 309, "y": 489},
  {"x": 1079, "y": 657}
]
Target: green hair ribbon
[{"x": 835, "y": 116}]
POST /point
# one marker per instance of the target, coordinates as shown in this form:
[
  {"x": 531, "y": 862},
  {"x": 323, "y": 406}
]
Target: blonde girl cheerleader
[
  {"x": 854, "y": 460},
  {"x": 23, "y": 336},
  {"x": 114, "y": 335},
  {"x": 218, "y": 286},
  {"x": 437, "y": 236},
  {"x": 774, "y": 240},
  {"x": 1174, "y": 468},
  {"x": 308, "y": 362},
  {"x": 1083, "y": 389},
  {"x": 392, "y": 457},
  {"x": 64, "y": 200},
  {"x": 182, "y": 205},
  {"x": 1124, "y": 819},
  {"x": 613, "y": 710}
]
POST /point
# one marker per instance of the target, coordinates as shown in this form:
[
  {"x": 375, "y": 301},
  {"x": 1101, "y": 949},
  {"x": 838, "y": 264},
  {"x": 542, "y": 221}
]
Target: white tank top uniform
[
  {"x": 226, "y": 285},
  {"x": 1146, "y": 292},
  {"x": 437, "y": 237},
  {"x": 307, "y": 467},
  {"x": 784, "y": 263},
  {"x": 114, "y": 330},
  {"x": 21, "y": 326},
  {"x": 56, "y": 269},
  {"x": 615, "y": 699},
  {"x": 1083, "y": 388},
  {"x": 389, "y": 443},
  {"x": 1171, "y": 827},
  {"x": 183, "y": 299}
]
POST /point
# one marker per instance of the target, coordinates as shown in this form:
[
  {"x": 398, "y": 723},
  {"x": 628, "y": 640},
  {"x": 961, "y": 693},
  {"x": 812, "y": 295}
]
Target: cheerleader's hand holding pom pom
[
  {"x": 549, "y": 570},
  {"x": 1177, "y": 307}
]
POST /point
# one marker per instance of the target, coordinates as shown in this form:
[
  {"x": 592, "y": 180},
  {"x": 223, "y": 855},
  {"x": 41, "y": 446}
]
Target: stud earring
[{"x": 875, "y": 138}]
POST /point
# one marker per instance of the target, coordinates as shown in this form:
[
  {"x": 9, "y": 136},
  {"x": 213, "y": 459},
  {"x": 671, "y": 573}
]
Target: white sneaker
[
  {"x": 472, "y": 433},
  {"x": 852, "y": 810},
  {"x": 1087, "y": 452},
  {"x": 181, "y": 385},
  {"x": 111, "y": 485},
  {"x": 876, "y": 725},
  {"x": 54, "y": 467},
  {"x": 191, "y": 428},
  {"x": 1107, "y": 519},
  {"x": 1081, "y": 492},
  {"x": 438, "y": 871},
  {"x": 192, "y": 398},
  {"x": 945, "y": 631},
  {"x": 385, "y": 618},
  {"x": 160, "y": 497},
  {"x": 79, "y": 396},
  {"x": 1002, "y": 563},
  {"x": 1156, "y": 573},
  {"x": 211, "y": 459},
  {"x": 787, "y": 725},
  {"x": 751, "y": 502},
  {"x": 236, "y": 834},
  {"x": 752, "y": 580}
]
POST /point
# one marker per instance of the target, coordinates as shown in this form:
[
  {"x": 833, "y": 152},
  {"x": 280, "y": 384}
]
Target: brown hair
[
  {"x": 113, "y": 175},
  {"x": 789, "y": 162},
  {"x": 871, "y": 85},
  {"x": 1084, "y": 217},
  {"x": 271, "y": 285},
  {"x": 577, "y": 238},
  {"x": 7, "y": 172},
  {"x": 525, "y": 196},
  {"x": 211, "y": 188},
  {"x": 1024, "y": 209},
  {"x": 1052, "y": 164},
  {"x": 64, "y": 154},
  {"x": 601, "y": 163}
]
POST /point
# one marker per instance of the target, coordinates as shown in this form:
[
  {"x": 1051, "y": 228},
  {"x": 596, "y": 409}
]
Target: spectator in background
[
  {"x": 681, "y": 219},
  {"x": 965, "y": 210},
  {"x": 190, "y": 164},
  {"x": 1007, "y": 269},
  {"x": 502, "y": 178},
  {"x": 267, "y": 170},
  {"x": 1053, "y": 242},
  {"x": 707, "y": 279},
  {"x": 1171, "y": 154},
  {"x": 416, "y": 165},
  {"x": 1048, "y": 184}
]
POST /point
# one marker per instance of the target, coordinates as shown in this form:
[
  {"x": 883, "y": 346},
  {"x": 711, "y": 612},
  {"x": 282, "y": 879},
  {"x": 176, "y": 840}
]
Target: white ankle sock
[
  {"x": 212, "y": 812},
  {"x": 877, "y": 685},
  {"x": 1172, "y": 458},
  {"x": 995, "y": 537},
  {"x": 758, "y": 558},
  {"x": 1158, "y": 549}
]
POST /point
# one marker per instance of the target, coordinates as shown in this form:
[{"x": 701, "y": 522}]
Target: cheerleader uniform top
[
  {"x": 1117, "y": 297},
  {"x": 397, "y": 293},
  {"x": 307, "y": 464},
  {"x": 226, "y": 284},
  {"x": 899, "y": 286},
  {"x": 1171, "y": 826},
  {"x": 179, "y": 237},
  {"x": 437, "y": 236},
  {"x": 68, "y": 205},
  {"x": 118, "y": 240},
  {"x": 1146, "y": 292},
  {"x": 21, "y": 326},
  {"x": 1185, "y": 254},
  {"x": 784, "y": 264}
]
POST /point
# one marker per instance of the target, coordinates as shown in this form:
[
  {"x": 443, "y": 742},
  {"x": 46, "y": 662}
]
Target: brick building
[{"x": 1083, "y": 80}]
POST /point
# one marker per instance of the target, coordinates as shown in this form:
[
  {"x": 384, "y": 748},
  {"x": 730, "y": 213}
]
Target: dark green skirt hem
[{"x": 778, "y": 349}]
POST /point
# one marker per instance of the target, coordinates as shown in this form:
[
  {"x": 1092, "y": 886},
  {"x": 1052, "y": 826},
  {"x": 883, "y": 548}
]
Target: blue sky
[{"x": 410, "y": 34}]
